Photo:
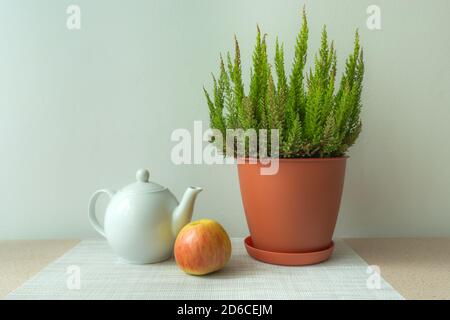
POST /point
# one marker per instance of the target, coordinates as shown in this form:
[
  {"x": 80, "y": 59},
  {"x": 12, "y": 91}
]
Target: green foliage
[{"x": 313, "y": 118}]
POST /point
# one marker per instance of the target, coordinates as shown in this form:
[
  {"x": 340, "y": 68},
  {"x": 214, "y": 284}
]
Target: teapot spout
[{"x": 182, "y": 214}]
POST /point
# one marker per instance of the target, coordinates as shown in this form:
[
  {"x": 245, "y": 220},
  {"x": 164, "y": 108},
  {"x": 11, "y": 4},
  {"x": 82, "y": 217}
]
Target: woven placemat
[{"x": 102, "y": 275}]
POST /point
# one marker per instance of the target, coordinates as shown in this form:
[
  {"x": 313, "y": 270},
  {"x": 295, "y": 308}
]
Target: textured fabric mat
[{"x": 105, "y": 276}]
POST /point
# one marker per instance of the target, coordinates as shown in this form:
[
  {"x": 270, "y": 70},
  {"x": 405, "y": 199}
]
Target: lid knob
[{"x": 142, "y": 175}]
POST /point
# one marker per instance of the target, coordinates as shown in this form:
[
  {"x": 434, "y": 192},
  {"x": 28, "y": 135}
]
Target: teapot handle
[{"x": 92, "y": 216}]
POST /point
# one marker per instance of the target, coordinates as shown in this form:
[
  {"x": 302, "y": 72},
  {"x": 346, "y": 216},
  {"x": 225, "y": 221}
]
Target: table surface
[{"x": 418, "y": 268}]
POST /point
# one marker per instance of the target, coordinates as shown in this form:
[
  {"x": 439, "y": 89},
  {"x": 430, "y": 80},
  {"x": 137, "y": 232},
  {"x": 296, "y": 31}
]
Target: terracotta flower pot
[{"x": 292, "y": 215}]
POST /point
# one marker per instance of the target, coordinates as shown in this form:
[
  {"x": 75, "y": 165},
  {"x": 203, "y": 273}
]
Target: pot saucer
[{"x": 288, "y": 258}]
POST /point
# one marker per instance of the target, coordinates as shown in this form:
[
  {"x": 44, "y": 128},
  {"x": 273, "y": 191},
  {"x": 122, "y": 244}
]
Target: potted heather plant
[{"x": 292, "y": 214}]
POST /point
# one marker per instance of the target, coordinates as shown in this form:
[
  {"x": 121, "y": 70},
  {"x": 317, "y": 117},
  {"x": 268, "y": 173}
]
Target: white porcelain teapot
[{"x": 143, "y": 219}]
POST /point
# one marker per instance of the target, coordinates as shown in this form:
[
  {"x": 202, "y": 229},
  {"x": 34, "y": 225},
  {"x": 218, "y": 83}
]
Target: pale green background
[{"x": 81, "y": 110}]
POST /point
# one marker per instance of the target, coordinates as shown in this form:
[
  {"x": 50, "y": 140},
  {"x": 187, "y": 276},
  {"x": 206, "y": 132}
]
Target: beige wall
[{"x": 80, "y": 110}]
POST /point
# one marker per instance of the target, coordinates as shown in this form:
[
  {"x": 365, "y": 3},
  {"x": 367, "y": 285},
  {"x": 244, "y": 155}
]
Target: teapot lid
[{"x": 143, "y": 185}]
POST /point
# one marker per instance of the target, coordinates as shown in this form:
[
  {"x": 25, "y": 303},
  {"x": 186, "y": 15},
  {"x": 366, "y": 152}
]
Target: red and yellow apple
[{"x": 202, "y": 247}]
